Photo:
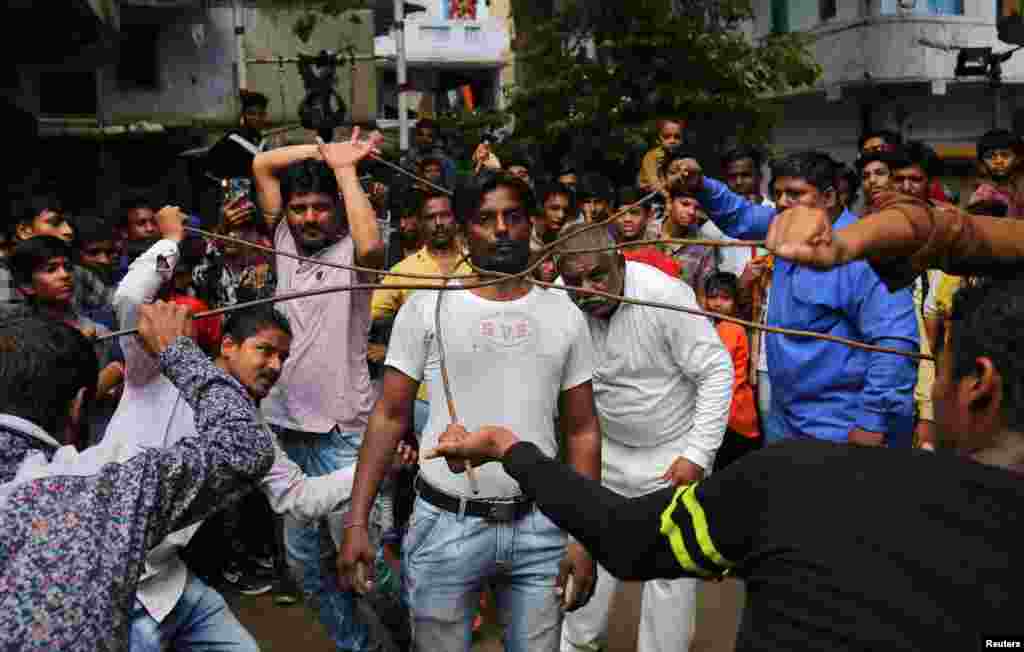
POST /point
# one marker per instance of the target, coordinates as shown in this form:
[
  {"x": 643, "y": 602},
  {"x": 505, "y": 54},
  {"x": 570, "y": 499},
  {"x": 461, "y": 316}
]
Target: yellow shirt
[
  {"x": 386, "y": 302},
  {"x": 649, "y": 173}
]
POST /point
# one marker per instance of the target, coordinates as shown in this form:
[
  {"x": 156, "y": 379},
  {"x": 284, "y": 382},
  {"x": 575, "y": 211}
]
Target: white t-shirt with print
[{"x": 508, "y": 362}]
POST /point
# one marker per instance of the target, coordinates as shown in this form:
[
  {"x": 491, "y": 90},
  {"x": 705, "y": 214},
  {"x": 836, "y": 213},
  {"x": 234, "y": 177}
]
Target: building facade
[
  {"x": 458, "y": 54},
  {"x": 890, "y": 64}
]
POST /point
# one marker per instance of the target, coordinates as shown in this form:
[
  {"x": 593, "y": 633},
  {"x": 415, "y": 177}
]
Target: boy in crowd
[
  {"x": 742, "y": 435},
  {"x": 42, "y": 271},
  {"x": 670, "y": 135}
]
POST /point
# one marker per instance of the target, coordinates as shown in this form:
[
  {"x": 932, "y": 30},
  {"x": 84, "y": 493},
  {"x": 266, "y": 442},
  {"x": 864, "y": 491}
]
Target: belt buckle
[{"x": 501, "y": 512}]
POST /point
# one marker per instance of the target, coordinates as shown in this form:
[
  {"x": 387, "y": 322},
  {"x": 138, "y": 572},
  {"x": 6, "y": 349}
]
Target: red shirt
[{"x": 654, "y": 258}]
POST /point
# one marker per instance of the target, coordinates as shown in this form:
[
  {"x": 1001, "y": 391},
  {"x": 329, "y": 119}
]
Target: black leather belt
[{"x": 501, "y": 511}]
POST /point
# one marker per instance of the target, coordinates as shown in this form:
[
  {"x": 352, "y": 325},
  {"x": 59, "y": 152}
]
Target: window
[
  {"x": 780, "y": 16},
  {"x": 67, "y": 93},
  {"x": 925, "y": 7},
  {"x": 826, "y": 10},
  {"x": 137, "y": 63},
  {"x": 435, "y": 33}
]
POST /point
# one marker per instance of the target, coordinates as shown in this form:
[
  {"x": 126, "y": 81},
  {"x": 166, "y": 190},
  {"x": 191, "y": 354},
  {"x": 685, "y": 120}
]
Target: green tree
[{"x": 595, "y": 75}]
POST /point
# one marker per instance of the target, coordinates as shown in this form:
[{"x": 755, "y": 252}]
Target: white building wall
[{"x": 874, "y": 65}]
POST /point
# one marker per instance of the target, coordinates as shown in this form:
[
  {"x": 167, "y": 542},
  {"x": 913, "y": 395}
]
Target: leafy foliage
[
  {"x": 311, "y": 11},
  {"x": 596, "y": 74}
]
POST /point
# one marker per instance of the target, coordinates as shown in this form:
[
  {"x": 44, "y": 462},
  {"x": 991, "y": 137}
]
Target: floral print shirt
[{"x": 75, "y": 528}]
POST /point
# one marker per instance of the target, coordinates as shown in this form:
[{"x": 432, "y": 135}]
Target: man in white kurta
[{"x": 662, "y": 388}]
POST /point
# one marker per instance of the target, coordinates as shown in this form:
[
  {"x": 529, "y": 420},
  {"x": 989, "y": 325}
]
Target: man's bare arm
[
  {"x": 902, "y": 240},
  {"x": 582, "y": 430},
  {"x": 390, "y": 420},
  {"x": 362, "y": 218}
]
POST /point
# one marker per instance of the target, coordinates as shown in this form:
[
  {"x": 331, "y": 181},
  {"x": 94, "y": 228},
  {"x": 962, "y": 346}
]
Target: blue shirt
[{"x": 825, "y": 389}]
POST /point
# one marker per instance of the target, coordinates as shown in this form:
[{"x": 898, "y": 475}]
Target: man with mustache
[
  {"x": 663, "y": 387},
  {"x": 173, "y": 606},
  {"x": 321, "y": 405},
  {"x": 513, "y": 354},
  {"x": 440, "y": 254}
]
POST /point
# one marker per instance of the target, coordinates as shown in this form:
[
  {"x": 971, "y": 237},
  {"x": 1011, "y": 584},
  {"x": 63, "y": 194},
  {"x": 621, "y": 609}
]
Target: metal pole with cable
[{"x": 401, "y": 75}]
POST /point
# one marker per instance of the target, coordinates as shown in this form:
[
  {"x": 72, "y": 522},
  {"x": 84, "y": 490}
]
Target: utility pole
[
  {"x": 238, "y": 10},
  {"x": 401, "y": 73}
]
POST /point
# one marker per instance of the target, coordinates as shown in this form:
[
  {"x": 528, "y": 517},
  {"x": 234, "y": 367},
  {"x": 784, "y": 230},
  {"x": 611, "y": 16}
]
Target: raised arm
[
  {"x": 362, "y": 218},
  {"x": 98, "y": 519},
  {"x": 902, "y": 240},
  {"x": 265, "y": 167},
  {"x": 139, "y": 287}
]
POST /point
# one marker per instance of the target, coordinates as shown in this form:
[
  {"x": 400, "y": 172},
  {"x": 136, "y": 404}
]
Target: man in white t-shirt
[
  {"x": 514, "y": 353},
  {"x": 663, "y": 387},
  {"x": 320, "y": 405}
]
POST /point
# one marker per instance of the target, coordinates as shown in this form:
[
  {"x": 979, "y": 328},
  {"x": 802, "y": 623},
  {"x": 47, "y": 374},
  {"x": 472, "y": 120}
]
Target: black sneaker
[{"x": 245, "y": 582}]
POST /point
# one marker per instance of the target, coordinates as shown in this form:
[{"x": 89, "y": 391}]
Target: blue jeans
[
  {"x": 308, "y": 546},
  {"x": 201, "y": 621},
  {"x": 447, "y": 559}
]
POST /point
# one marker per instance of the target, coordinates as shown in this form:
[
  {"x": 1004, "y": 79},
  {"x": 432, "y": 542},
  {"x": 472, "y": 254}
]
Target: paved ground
[{"x": 281, "y": 629}]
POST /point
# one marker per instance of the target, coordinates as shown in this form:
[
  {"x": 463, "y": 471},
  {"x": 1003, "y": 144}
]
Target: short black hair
[
  {"x": 556, "y": 188},
  {"x": 741, "y": 153},
  {"x": 889, "y": 136},
  {"x": 130, "y": 204},
  {"x": 673, "y": 154},
  {"x": 630, "y": 195},
  {"x": 470, "y": 197},
  {"x": 997, "y": 139},
  {"x": 722, "y": 281},
  {"x": 29, "y": 255},
  {"x": 89, "y": 229},
  {"x": 988, "y": 320},
  {"x": 253, "y": 100},
  {"x": 844, "y": 171},
  {"x": 306, "y": 176},
  {"x": 920, "y": 154},
  {"x": 890, "y": 157},
  {"x": 31, "y": 206},
  {"x": 43, "y": 365},
  {"x": 421, "y": 198},
  {"x": 595, "y": 186},
  {"x": 816, "y": 168},
  {"x": 242, "y": 324}
]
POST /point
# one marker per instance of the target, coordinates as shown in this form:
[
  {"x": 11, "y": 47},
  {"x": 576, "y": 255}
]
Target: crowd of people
[{"x": 628, "y": 435}]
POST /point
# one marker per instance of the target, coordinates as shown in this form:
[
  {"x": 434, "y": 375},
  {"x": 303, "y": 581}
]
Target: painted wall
[{"x": 198, "y": 80}]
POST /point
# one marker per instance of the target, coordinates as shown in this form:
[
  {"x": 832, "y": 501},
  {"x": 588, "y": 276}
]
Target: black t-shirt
[{"x": 841, "y": 547}]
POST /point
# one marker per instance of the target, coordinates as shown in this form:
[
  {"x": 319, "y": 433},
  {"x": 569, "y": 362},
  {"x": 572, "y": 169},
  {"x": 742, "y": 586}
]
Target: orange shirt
[{"x": 743, "y": 413}]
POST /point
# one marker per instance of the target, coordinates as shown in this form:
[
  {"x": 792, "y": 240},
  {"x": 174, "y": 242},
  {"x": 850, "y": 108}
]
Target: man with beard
[
  {"x": 513, "y": 354},
  {"x": 841, "y": 547},
  {"x": 440, "y": 254},
  {"x": 824, "y": 389},
  {"x": 173, "y": 606},
  {"x": 663, "y": 386},
  {"x": 321, "y": 405}
]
